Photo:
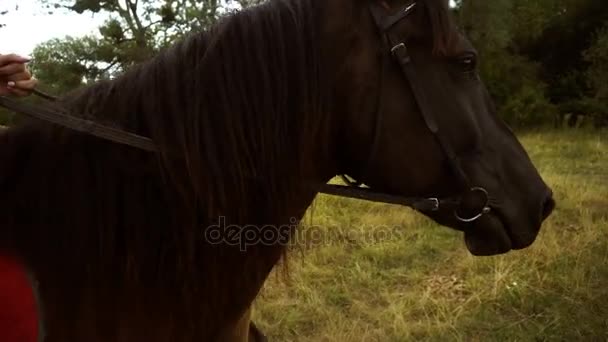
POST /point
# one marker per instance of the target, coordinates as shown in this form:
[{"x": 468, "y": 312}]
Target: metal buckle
[
  {"x": 486, "y": 208},
  {"x": 400, "y": 52},
  {"x": 397, "y": 47},
  {"x": 409, "y": 8}
]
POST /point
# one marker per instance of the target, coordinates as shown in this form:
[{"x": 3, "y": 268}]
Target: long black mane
[
  {"x": 227, "y": 105},
  {"x": 230, "y": 110}
]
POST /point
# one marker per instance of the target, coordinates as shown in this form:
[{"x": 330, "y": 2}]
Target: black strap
[
  {"x": 386, "y": 22},
  {"x": 417, "y": 203},
  {"x": 78, "y": 124},
  {"x": 401, "y": 55}
]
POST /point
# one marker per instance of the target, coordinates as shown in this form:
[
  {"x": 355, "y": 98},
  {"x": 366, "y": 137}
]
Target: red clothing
[{"x": 18, "y": 312}]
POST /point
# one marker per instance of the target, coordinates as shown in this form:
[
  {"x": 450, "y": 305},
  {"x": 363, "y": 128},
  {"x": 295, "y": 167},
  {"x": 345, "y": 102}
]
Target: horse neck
[{"x": 281, "y": 164}]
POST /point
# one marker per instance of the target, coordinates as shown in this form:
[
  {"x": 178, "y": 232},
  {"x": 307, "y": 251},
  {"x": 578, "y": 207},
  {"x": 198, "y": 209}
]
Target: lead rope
[
  {"x": 44, "y": 95},
  {"x": 64, "y": 119}
]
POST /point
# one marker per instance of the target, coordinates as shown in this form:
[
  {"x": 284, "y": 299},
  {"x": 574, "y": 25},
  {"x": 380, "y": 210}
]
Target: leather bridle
[
  {"x": 397, "y": 47},
  {"x": 399, "y": 52}
]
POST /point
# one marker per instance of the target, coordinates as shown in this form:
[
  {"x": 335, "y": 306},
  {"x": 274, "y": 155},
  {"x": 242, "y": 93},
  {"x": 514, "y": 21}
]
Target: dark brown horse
[{"x": 250, "y": 119}]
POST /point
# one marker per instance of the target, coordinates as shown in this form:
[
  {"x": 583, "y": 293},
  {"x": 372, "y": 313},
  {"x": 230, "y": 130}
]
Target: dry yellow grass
[{"x": 372, "y": 272}]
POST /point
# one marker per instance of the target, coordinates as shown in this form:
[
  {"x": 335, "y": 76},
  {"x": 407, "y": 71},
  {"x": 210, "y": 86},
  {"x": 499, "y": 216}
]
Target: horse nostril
[{"x": 548, "y": 206}]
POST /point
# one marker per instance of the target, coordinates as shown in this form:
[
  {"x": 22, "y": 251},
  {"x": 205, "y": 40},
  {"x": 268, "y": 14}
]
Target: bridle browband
[{"x": 398, "y": 50}]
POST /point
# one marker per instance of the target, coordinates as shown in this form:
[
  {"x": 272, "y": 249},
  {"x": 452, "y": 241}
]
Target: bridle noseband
[{"x": 399, "y": 52}]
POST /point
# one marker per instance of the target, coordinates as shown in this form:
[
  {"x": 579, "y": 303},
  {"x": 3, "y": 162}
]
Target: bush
[
  {"x": 597, "y": 110},
  {"x": 597, "y": 75},
  {"x": 519, "y": 94},
  {"x": 597, "y": 57},
  {"x": 592, "y": 108},
  {"x": 528, "y": 107}
]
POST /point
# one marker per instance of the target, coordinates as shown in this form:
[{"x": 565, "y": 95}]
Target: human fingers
[
  {"x": 27, "y": 84},
  {"x": 4, "y": 90},
  {"x": 12, "y": 58},
  {"x": 12, "y": 68},
  {"x": 13, "y": 90},
  {"x": 20, "y": 76}
]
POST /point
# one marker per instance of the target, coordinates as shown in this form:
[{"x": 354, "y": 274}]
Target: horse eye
[{"x": 467, "y": 63}]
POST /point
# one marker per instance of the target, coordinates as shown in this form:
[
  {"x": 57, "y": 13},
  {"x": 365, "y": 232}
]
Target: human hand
[{"x": 15, "y": 79}]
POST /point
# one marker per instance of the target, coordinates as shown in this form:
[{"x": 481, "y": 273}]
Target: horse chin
[{"x": 488, "y": 236}]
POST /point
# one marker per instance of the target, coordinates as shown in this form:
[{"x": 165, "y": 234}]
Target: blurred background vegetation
[{"x": 544, "y": 61}]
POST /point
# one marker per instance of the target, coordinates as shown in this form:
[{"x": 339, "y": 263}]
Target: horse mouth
[{"x": 491, "y": 235}]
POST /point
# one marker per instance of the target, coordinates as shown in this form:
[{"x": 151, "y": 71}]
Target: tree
[
  {"x": 512, "y": 80},
  {"x": 559, "y": 48},
  {"x": 3, "y": 11},
  {"x": 558, "y": 45},
  {"x": 65, "y": 64},
  {"x": 597, "y": 57},
  {"x": 134, "y": 31},
  {"x": 137, "y": 29},
  {"x": 597, "y": 74},
  {"x": 486, "y": 23}
]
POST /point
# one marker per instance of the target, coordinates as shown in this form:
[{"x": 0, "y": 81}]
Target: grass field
[{"x": 373, "y": 272}]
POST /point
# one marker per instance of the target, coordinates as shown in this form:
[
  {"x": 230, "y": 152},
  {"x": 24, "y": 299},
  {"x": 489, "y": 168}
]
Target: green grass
[{"x": 373, "y": 272}]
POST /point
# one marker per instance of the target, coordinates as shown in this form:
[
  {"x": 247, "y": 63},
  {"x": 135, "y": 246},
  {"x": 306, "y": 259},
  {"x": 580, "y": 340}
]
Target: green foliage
[
  {"x": 137, "y": 29},
  {"x": 529, "y": 107},
  {"x": 66, "y": 64},
  {"x": 597, "y": 76},
  {"x": 597, "y": 57},
  {"x": 532, "y": 17},
  {"x": 539, "y": 56},
  {"x": 3, "y": 13},
  {"x": 498, "y": 69},
  {"x": 487, "y": 23},
  {"x": 594, "y": 108},
  {"x": 568, "y": 86},
  {"x": 572, "y": 55},
  {"x": 133, "y": 33},
  {"x": 80, "y": 6},
  {"x": 513, "y": 80}
]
